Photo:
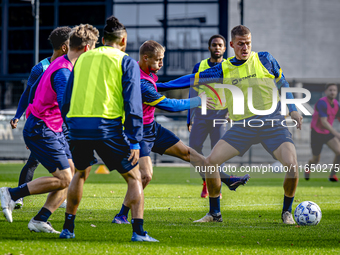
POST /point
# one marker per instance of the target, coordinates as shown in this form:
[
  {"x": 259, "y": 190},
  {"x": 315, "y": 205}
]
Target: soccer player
[
  {"x": 155, "y": 137},
  {"x": 325, "y": 111},
  {"x": 44, "y": 137},
  {"x": 102, "y": 97},
  {"x": 261, "y": 72},
  {"x": 59, "y": 39},
  {"x": 200, "y": 126}
]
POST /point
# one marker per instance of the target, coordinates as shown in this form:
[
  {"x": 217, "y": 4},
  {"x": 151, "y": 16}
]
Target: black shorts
[
  {"x": 156, "y": 139},
  {"x": 114, "y": 152},
  {"x": 318, "y": 140}
]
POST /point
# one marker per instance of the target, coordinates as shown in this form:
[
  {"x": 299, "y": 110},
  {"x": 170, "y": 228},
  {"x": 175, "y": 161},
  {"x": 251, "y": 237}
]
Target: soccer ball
[{"x": 307, "y": 213}]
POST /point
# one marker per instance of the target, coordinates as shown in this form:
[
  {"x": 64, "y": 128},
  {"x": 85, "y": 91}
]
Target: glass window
[
  {"x": 44, "y": 43},
  {"x": 21, "y": 39},
  {"x": 20, "y": 16},
  {"x": 44, "y": 55},
  {"x": 193, "y": 14},
  {"x": 134, "y": 1},
  {"x": 182, "y": 62},
  {"x": 139, "y": 14},
  {"x": 137, "y": 36},
  {"x": 82, "y": 1},
  {"x": 20, "y": 63},
  {"x": 46, "y": 15},
  {"x": 190, "y": 38},
  {"x": 74, "y": 15}
]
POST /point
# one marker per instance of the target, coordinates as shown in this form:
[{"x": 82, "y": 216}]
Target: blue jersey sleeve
[
  {"x": 179, "y": 83},
  {"x": 65, "y": 105},
  {"x": 132, "y": 102},
  {"x": 321, "y": 107},
  {"x": 213, "y": 74},
  {"x": 23, "y": 103},
  {"x": 151, "y": 97},
  {"x": 36, "y": 71},
  {"x": 271, "y": 64},
  {"x": 59, "y": 82},
  {"x": 196, "y": 67}
]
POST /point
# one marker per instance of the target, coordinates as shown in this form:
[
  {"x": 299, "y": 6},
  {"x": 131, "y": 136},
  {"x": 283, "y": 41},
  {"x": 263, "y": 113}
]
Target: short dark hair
[
  {"x": 59, "y": 36},
  {"x": 82, "y": 35},
  {"x": 331, "y": 84},
  {"x": 150, "y": 48},
  {"x": 239, "y": 30},
  {"x": 217, "y": 36},
  {"x": 113, "y": 29}
]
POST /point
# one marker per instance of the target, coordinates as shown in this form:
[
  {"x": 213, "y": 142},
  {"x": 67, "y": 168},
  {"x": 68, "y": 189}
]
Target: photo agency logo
[{"x": 239, "y": 105}]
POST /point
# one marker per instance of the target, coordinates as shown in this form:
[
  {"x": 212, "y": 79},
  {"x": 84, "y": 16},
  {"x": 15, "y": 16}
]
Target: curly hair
[
  {"x": 217, "y": 36},
  {"x": 82, "y": 35},
  {"x": 59, "y": 36},
  {"x": 113, "y": 29}
]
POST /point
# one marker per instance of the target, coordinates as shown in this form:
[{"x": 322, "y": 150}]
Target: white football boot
[
  {"x": 7, "y": 204},
  {"x": 287, "y": 218},
  {"x": 211, "y": 218},
  {"x": 41, "y": 226}
]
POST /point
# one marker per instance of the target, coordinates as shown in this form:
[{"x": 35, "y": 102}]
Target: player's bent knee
[
  {"x": 147, "y": 178},
  {"x": 210, "y": 161}
]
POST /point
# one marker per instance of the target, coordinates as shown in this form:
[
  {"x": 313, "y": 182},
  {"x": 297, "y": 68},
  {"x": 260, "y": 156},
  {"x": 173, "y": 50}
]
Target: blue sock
[
  {"x": 287, "y": 204},
  {"x": 43, "y": 214},
  {"x": 137, "y": 226},
  {"x": 19, "y": 192},
  {"x": 124, "y": 211},
  {"x": 214, "y": 203},
  {"x": 69, "y": 222}
]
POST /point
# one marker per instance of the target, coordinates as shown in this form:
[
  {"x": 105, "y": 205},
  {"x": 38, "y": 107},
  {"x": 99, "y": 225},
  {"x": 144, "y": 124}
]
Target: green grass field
[{"x": 252, "y": 222}]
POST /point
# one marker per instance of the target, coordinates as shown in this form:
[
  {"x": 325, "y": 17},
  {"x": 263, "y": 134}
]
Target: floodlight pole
[{"x": 35, "y": 8}]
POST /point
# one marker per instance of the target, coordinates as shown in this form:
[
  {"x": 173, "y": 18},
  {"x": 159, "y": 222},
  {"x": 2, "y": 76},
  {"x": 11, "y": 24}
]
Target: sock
[
  {"x": 27, "y": 172},
  {"x": 287, "y": 204},
  {"x": 214, "y": 203},
  {"x": 69, "y": 222},
  {"x": 43, "y": 215},
  {"x": 124, "y": 211},
  {"x": 19, "y": 192},
  {"x": 137, "y": 226}
]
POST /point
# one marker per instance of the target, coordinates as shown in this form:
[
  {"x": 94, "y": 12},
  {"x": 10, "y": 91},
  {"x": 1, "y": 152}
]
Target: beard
[{"x": 214, "y": 56}]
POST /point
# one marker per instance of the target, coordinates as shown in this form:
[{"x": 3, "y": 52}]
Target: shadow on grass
[{"x": 175, "y": 227}]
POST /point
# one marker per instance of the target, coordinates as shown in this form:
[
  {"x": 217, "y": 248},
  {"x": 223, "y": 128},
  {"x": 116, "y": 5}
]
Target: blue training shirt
[
  {"x": 36, "y": 72},
  {"x": 151, "y": 97}
]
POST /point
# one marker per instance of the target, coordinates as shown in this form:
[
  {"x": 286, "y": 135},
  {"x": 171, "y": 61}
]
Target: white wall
[{"x": 303, "y": 35}]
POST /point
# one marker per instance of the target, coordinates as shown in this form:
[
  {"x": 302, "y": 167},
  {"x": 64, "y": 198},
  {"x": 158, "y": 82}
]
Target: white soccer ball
[{"x": 307, "y": 213}]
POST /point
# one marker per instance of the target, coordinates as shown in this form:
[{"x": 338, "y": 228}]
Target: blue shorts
[
  {"x": 156, "y": 139},
  {"x": 48, "y": 147},
  {"x": 114, "y": 152},
  {"x": 317, "y": 141},
  {"x": 199, "y": 132},
  {"x": 241, "y": 138}
]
